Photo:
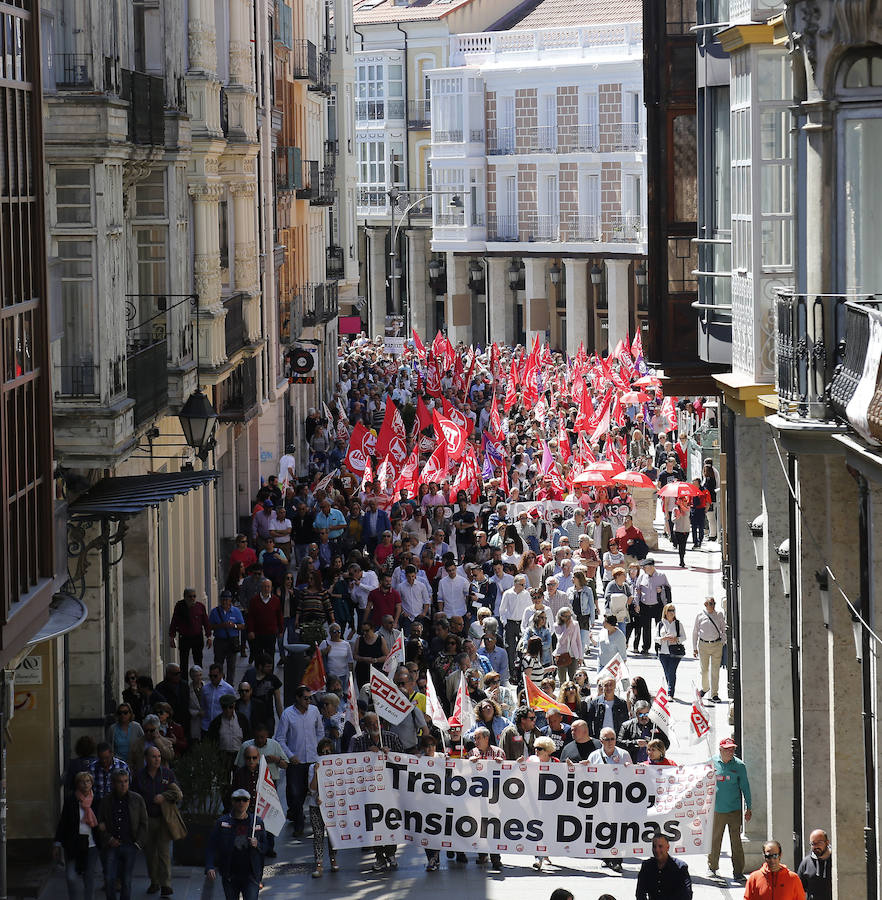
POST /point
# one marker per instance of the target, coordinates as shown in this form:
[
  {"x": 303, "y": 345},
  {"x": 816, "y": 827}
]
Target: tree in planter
[{"x": 203, "y": 775}]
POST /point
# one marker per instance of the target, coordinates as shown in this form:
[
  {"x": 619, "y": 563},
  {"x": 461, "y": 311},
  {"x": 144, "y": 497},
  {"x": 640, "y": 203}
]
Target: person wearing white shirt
[
  {"x": 610, "y": 755},
  {"x": 363, "y": 582},
  {"x": 510, "y": 610},
  {"x": 502, "y": 580},
  {"x": 708, "y": 640},
  {"x": 510, "y": 556},
  {"x": 536, "y": 606},
  {"x": 452, "y": 592},
  {"x": 416, "y": 599},
  {"x": 287, "y": 465},
  {"x": 299, "y": 730}
]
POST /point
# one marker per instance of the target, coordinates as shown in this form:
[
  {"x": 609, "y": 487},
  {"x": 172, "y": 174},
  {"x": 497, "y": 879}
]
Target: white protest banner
[
  {"x": 699, "y": 724},
  {"x": 352, "y": 704},
  {"x": 389, "y": 702},
  {"x": 547, "y": 509},
  {"x": 660, "y": 712},
  {"x": 395, "y": 657},
  {"x": 484, "y": 806},
  {"x": 434, "y": 709},
  {"x": 266, "y": 803},
  {"x": 616, "y": 668}
]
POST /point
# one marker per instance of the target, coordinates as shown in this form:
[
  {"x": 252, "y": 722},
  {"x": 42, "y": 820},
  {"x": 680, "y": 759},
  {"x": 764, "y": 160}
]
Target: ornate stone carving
[
  {"x": 242, "y": 188},
  {"x": 248, "y": 165},
  {"x": 246, "y": 266},
  {"x": 209, "y": 193},
  {"x": 206, "y": 277},
  {"x": 210, "y": 165},
  {"x": 203, "y": 47},
  {"x": 852, "y": 20},
  {"x": 240, "y": 63},
  {"x": 807, "y": 38}
]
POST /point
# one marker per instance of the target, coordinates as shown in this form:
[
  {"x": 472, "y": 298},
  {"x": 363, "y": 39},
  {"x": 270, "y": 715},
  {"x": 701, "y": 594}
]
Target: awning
[
  {"x": 66, "y": 612},
  {"x": 119, "y": 498}
]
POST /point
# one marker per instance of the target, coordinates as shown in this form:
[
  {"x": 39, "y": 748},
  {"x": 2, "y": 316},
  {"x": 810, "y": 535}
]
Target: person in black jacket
[
  {"x": 77, "y": 836},
  {"x": 608, "y": 701},
  {"x": 236, "y": 849},
  {"x": 663, "y": 877},
  {"x": 230, "y": 729},
  {"x": 638, "y": 731},
  {"x": 816, "y": 870}
]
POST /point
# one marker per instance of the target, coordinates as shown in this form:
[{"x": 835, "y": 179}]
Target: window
[
  {"x": 588, "y": 223},
  {"x": 547, "y": 136},
  {"x": 152, "y": 260},
  {"x": 587, "y": 138},
  {"x": 861, "y": 203},
  {"x": 223, "y": 235},
  {"x": 370, "y": 92},
  {"x": 75, "y": 269},
  {"x": 447, "y": 113},
  {"x": 505, "y": 132},
  {"x": 73, "y": 196},
  {"x": 372, "y": 173},
  {"x": 150, "y": 196},
  {"x": 632, "y": 198}
]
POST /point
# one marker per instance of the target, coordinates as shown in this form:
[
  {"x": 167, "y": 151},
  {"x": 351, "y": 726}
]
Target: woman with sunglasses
[
  {"x": 124, "y": 733},
  {"x": 670, "y": 635},
  {"x": 131, "y": 696},
  {"x": 488, "y": 714}
]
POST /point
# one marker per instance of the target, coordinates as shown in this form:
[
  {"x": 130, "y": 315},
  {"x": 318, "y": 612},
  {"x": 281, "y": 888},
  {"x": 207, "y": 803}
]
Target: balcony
[
  {"x": 374, "y": 199},
  {"x": 821, "y": 344},
  {"x": 334, "y": 263},
  {"x": 848, "y": 376},
  {"x": 379, "y": 110},
  {"x": 447, "y": 137},
  {"x": 73, "y": 72},
  {"x": 237, "y": 394},
  {"x": 624, "y": 230},
  {"x": 422, "y": 210},
  {"x": 577, "y": 139},
  {"x": 325, "y": 192},
  {"x": 320, "y": 304},
  {"x": 500, "y": 141},
  {"x": 583, "y": 229},
  {"x": 419, "y": 114},
  {"x": 626, "y": 136},
  {"x": 544, "y": 227},
  {"x": 304, "y": 60},
  {"x": 224, "y": 112},
  {"x": 290, "y": 317},
  {"x": 289, "y": 170},
  {"x": 332, "y": 151},
  {"x": 147, "y": 377},
  {"x": 234, "y": 324},
  {"x": 502, "y": 228},
  {"x": 322, "y": 81},
  {"x": 146, "y": 97},
  {"x": 309, "y": 180},
  {"x": 77, "y": 382},
  {"x": 454, "y": 219}
]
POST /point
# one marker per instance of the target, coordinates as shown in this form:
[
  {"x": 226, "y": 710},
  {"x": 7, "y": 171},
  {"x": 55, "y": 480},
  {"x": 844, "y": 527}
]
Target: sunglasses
[
  {"x": 241, "y": 800},
  {"x": 771, "y": 855},
  {"x": 131, "y": 677},
  {"x": 607, "y": 740},
  {"x": 123, "y": 712}
]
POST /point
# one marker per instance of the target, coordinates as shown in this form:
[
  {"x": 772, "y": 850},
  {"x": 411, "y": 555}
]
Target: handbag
[
  {"x": 676, "y": 650},
  {"x": 565, "y": 659}
]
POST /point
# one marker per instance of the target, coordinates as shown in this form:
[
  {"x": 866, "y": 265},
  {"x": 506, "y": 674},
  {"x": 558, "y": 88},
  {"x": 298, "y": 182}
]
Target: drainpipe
[
  {"x": 864, "y": 523},
  {"x": 730, "y": 572},
  {"x": 108, "y": 605},
  {"x": 406, "y": 164},
  {"x": 795, "y": 664}
]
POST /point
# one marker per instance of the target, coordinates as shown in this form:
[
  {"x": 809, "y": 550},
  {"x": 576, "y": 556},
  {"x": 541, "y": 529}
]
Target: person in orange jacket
[{"x": 773, "y": 880}]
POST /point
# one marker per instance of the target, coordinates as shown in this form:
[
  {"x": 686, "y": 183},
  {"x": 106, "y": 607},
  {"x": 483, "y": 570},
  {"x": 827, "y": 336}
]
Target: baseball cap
[
  {"x": 268, "y": 504},
  {"x": 241, "y": 794},
  {"x": 728, "y": 742},
  {"x": 649, "y": 561}
]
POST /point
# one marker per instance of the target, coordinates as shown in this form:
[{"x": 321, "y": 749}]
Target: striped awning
[{"x": 120, "y": 498}]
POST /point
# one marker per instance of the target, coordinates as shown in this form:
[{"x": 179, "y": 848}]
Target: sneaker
[
  {"x": 713, "y": 873},
  {"x": 537, "y": 865},
  {"x": 701, "y": 693},
  {"x": 380, "y": 866},
  {"x": 391, "y": 862},
  {"x": 716, "y": 698},
  {"x": 739, "y": 876},
  {"x": 433, "y": 865}
]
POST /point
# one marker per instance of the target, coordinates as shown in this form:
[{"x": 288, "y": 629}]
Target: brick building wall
[
  {"x": 610, "y": 191},
  {"x": 491, "y": 191},
  {"x": 567, "y": 116},
  {"x": 609, "y": 116},
  {"x": 490, "y": 113},
  {"x": 568, "y": 188},
  {"x": 526, "y": 197},
  {"x": 526, "y": 120}
]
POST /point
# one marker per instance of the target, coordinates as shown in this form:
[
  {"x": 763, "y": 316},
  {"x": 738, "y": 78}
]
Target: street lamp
[
  {"x": 824, "y": 591},
  {"x": 784, "y": 564},
  {"x": 476, "y": 271},
  {"x": 757, "y": 527},
  {"x": 514, "y": 275},
  {"x": 554, "y": 274},
  {"x": 198, "y": 422},
  {"x": 596, "y": 274},
  {"x": 640, "y": 274}
]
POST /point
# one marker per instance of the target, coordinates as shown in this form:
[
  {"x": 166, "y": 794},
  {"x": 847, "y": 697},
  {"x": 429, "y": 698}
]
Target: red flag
[
  {"x": 563, "y": 443},
  {"x": 494, "y": 361},
  {"x": 467, "y": 477},
  {"x": 436, "y": 467},
  {"x": 433, "y": 378},
  {"x": 418, "y": 345},
  {"x": 637, "y": 345},
  {"x": 367, "y": 477},
  {"x": 392, "y": 439},
  {"x": 495, "y": 421},
  {"x": 451, "y": 434},
  {"x": 586, "y": 410},
  {"x": 409, "y": 479},
  {"x": 503, "y": 480},
  {"x": 457, "y": 416},
  {"x": 356, "y": 456},
  {"x": 314, "y": 676},
  {"x": 423, "y": 416},
  {"x": 511, "y": 390}
]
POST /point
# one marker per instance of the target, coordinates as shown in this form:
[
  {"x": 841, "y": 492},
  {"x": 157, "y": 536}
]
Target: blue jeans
[
  {"x": 81, "y": 885},
  {"x": 234, "y": 888},
  {"x": 118, "y": 864},
  {"x": 669, "y": 666}
]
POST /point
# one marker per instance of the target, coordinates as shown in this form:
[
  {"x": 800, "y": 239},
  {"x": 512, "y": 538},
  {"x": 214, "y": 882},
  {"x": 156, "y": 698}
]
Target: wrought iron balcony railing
[
  {"x": 146, "y": 114},
  {"x": 419, "y": 114},
  {"x": 147, "y": 377},
  {"x": 73, "y": 72},
  {"x": 334, "y": 263},
  {"x": 234, "y": 324},
  {"x": 237, "y": 394}
]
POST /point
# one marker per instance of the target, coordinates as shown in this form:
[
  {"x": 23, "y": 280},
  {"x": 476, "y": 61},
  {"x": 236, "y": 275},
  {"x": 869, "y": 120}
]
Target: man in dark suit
[{"x": 608, "y": 705}]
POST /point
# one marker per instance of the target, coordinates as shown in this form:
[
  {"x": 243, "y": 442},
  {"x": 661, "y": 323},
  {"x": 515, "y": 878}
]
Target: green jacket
[{"x": 731, "y": 784}]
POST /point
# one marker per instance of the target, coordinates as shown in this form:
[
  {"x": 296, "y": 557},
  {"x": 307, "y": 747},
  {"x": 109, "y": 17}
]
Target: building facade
[
  {"x": 175, "y": 248},
  {"x": 396, "y": 46},
  {"x": 800, "y": 431},
  {"x": 548, "y": 179}
]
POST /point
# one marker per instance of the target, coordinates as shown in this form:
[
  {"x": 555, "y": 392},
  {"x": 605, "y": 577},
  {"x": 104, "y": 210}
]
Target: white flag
[
  {"x": 352, "y": 705},
  {"x": 266, "y": 804},
  {"x": 699, "y": 724},
  {"x": 390, "y": 704},
  {"x": 616, "y": 668},
  {"x": 434, "y": 709},
  {"x": 463, "y": 710},
  {"x": 395, "y": 657},
  {"x": 659, "y": 712}
]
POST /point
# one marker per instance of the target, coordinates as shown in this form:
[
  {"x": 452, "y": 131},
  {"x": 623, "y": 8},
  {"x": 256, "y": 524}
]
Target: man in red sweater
[
  {"x": 774, "y": 880},
  {"x": 383, "y": 601},
  {"x": 264, "y": 620}
]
